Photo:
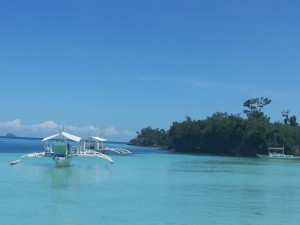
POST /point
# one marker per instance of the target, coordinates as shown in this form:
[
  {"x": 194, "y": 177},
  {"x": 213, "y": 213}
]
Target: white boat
[
  {"x": 62, "y": 148},
  {"x": 278, "y": 153}
]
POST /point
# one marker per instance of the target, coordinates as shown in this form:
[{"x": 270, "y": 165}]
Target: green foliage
[
  {"x": 255, "y": 105},
  {"x": 219, "y": 134},
  {"x": 150, "y": 137},
  {"x": 227, "y": 134},
  {"x": 255, "y": 136},
  {"x": 289, "y": 120}
]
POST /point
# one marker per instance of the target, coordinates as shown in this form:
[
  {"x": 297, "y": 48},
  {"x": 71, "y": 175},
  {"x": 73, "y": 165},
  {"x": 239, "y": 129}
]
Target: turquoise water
[{"x": 150, "y": 188}]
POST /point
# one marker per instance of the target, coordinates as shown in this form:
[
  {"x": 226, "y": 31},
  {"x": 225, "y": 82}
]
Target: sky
[{"x": 115, "y": 67}]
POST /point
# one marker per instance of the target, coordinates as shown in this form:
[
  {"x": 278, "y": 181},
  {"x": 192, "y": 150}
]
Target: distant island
[
  {"x": 227, "y": 134},
  {"x": 10, "y": 135}
]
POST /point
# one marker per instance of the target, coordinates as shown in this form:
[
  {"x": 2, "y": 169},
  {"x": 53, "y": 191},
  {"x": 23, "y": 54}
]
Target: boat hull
[
  {"x": 279, "y": 156},
  {"x": 62, "y": 161}
]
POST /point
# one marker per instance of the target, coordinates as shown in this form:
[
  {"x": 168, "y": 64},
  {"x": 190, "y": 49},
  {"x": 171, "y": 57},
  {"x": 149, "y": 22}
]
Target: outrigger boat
[
  {"x": 278, "y": 153},
  {"x": 95, "y": 143},
  {"x": 62, "y": 150}
]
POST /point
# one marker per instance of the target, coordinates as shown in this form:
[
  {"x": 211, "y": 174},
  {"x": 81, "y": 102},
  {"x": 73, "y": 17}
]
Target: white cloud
[
  {"x": 111, "y": 131},
  {"x": 14, "y": 123},
  {"x": 50, "y": 127},
  {"x": 87, "y": 130},
  {"x": 44, "y": 126},
  {"x": 17, "y": 126}
]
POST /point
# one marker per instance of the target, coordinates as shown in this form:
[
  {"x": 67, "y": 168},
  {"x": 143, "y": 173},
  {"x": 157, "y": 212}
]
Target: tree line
[{"x": 227, "y": 134}]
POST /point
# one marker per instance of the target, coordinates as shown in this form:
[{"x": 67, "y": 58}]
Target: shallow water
[{"x": 150, "y": 188}]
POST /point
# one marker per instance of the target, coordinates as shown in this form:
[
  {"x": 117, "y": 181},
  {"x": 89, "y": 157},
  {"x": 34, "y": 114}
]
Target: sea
[{"x": 147, "y": 187}]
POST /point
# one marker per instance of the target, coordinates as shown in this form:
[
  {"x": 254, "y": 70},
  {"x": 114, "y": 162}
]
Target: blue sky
[{"x": 118, "y": 66}]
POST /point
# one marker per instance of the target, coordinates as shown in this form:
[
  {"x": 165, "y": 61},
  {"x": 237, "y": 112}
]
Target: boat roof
[
  {"x": 95, "y": 138},
  {"x": 65, "y": 134},
  {"x": 99, "y": 138}
]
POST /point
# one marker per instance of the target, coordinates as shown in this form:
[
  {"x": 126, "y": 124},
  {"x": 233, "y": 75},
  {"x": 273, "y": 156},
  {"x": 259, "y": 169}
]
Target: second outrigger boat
[{"x": 278, "y": 153}]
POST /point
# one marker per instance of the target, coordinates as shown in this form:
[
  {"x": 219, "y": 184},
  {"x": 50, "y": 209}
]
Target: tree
[
  {"x": 228, "y": 134},
  {"x": 255, "y": 105},
  {"x": 285, "y": 114},
  {"x": 150, "y": 137},
  {"x": 292, "y": 121},
  {"x": 255, "y": 136}
]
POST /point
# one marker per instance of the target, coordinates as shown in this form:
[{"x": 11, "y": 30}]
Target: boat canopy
[
  {"x": 67, "y": 135},
  {"x": 94, "y": 138},
  {"x": 50, "y": 137},
  {"x": 99, "y": 138}
]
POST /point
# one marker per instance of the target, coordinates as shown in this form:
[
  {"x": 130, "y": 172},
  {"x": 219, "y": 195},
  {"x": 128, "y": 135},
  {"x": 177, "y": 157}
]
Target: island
[
  {"x": 10, "y": 135},
  {"x": 227, "y": 134}
]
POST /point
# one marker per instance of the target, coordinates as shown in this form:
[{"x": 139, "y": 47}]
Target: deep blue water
[{"x": 152, "y": 188}]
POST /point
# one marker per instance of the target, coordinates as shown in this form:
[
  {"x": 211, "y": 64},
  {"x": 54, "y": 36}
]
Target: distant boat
[
  {"x": 278, "y": 153},
  {"x": 62, "y": 150}
]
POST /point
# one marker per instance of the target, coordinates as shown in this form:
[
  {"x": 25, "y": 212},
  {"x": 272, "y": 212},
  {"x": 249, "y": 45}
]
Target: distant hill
[{"x": 11, "y": 135}]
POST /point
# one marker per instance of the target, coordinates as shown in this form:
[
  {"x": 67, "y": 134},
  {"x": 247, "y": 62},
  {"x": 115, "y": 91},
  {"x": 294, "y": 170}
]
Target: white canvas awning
[
  {"x": 99, "y": 138},
  {"x": 50, "y": 137},
  {"x": 67, "y": 135},
  {"x": 70, "y": 136}
]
